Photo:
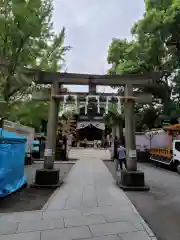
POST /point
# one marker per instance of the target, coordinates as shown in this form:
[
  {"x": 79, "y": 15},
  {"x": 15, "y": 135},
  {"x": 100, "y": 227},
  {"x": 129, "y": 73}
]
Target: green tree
[
  {"x": 30, "y": 113},
  {"x": 149, "y": 51},
  {"x": 26, "y": 40},
  {"x": 159, "y": 25}
]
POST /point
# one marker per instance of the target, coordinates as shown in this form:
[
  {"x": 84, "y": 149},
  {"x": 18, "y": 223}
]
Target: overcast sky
[{"x": 90, "y": 27}]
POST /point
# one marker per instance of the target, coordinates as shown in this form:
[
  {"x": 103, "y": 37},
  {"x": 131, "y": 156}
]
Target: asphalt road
[{"x": 160, "y": 207}]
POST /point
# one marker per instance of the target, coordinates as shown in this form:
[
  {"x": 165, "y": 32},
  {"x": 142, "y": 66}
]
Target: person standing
[
  {"x": 102, "y": 141},
  {"x": 121, "y": 151},
  {"x": 110, "y": 140},
  {"x": 85, "y": 142},
  {"x": 106, "y": 143},
  {"x": 116, "y": 145}
]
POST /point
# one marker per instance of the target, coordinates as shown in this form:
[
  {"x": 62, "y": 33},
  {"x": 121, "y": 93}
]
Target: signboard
[
  {"x": 132, "y": 153},
  {"x": 48, "y": 153}
]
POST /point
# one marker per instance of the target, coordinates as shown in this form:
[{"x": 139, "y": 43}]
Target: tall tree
[
  {"x": 30, "y": 113},
  {"x": 26, "y": 40},
  {"x": 149, "y": 52}
]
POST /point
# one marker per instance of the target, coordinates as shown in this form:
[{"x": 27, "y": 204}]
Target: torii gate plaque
[{"x": 131, "y": 178}]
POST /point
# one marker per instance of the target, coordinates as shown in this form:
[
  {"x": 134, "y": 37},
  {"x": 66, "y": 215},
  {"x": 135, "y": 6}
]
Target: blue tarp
[{"x": 12, "y": 153}]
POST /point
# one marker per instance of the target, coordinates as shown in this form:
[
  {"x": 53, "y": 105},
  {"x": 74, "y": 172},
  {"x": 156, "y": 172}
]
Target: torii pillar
[
  {"x": 49, "y": 176},
  {"x": 131, "y": 178}
]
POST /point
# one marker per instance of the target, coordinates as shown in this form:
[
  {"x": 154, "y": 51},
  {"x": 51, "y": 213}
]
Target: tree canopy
[
  {"x": 27, "y": 40},
  {"x": 155, "y": 47}
]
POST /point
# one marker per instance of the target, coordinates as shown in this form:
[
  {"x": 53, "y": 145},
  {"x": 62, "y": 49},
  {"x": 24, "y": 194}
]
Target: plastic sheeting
[{"x": 12, "y": 153}]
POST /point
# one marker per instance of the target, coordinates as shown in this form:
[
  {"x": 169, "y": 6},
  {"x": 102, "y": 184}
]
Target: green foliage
[
  {"x": 150, "y": 51},
  {"x": 20, "y": 25},
  {"x": 113, "y": 118},
  {"x": 123, "y": 56},
  {"x": 51, "y": 54},
  {"x": 26, "y": 40},
  {"x": 30, "y": 113},
  {"x": 158, "y": 4}
]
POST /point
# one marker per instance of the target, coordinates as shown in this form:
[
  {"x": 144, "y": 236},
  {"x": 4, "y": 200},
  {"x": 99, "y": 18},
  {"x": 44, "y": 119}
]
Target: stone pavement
[{"x": 88, "y": 206}]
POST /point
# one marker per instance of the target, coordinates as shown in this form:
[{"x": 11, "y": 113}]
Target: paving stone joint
[{"x": 88, "y": 205}]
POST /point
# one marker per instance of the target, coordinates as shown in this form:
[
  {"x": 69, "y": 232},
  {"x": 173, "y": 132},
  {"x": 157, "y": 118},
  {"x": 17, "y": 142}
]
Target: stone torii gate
[{"x": 130, "y": 178}]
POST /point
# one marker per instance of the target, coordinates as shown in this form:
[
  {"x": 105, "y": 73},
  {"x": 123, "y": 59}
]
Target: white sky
[{"x": 90, "y": 27}]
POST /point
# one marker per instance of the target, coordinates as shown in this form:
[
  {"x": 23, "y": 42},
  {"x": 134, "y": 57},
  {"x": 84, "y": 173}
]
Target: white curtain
[
  {"x": 99, "y": 125},
  {"x": 82, "y": 125}
]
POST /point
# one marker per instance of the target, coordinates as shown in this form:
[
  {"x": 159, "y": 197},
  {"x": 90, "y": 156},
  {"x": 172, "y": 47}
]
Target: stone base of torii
[{"x": 130, "y": 179}]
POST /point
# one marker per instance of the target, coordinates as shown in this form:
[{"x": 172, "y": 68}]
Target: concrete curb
[
  {"x": 50, "y": 199},
  {"x": 56, "y": 162},
  {"x": 144, "y": 224},
  {"x": 54, "y": 193}
]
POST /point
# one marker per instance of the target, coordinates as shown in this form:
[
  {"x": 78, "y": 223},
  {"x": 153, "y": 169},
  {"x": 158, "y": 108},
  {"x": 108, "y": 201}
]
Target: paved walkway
[{"x": 87, "y": 206}]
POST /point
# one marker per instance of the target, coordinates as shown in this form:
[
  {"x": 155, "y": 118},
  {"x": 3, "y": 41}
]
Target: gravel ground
[{"x": 28, "y": 199}]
